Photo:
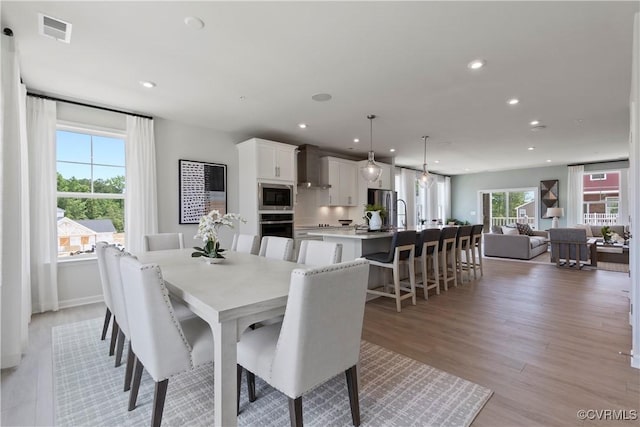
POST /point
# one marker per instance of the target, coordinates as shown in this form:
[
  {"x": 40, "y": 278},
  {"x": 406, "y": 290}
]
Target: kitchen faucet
[{"x": 404, "y": 220}]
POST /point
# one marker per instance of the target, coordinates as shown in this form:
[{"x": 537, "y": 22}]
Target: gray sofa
[{"x": 518, "y": 246}]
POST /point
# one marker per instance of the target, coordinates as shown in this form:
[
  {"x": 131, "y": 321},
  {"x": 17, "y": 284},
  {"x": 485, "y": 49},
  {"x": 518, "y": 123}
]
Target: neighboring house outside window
[
  {"x": 601, "y": 198},
  {"x": 90, "y": 188}
]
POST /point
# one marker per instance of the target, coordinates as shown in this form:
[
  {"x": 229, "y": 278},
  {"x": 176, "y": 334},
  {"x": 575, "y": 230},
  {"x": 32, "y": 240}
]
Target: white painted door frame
[
  {"x": 536, "y": 198},
  {"x": 634, "y": 206}
]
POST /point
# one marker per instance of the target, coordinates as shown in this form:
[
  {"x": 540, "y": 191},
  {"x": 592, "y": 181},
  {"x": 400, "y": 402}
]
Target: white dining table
[{"x": 230, "y": 296}]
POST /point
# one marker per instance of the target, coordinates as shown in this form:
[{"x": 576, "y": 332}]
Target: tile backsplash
[{"x": 307, "y": 211}]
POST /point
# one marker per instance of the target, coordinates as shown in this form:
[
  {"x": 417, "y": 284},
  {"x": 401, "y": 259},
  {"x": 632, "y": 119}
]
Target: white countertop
[{"x": 351, "y": 234}]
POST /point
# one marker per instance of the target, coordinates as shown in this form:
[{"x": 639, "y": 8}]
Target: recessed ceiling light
[
  {"x": 321, "y": 97},
  {"x": 193, "y": 22},
  {"x": 548, "y": 160},
  {"x": 393, "y": 150},
  {"x": 436, "y": 161},
  {"x": 534, "y": 122},
  {"x": 356, "y": 140},
  {"x": 531, "y": 148},
  {"x": 513, "y": 101},
  {"x": 302, "y": 125},
  {"x": 147, "y": 84},
  {"x": 476, "y": 64}
]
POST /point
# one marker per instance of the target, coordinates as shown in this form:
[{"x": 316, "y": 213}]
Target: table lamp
[{"x": 555, "y": 213}]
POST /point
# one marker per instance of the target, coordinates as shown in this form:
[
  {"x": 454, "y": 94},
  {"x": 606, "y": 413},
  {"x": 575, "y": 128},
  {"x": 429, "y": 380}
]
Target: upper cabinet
[
  {"x": 342, "y": 175},
  {"x": 275, "y": 161},
  {"x": 384, "y": 182}
]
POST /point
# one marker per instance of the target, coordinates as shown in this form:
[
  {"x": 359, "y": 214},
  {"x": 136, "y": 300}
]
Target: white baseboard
[{"x": 80, "y": 301}]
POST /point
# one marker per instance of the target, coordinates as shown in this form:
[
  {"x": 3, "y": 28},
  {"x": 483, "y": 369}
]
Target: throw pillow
[
  {"x": 509, "y": 230},
  {"x": 524, "y": 229},
  {"x": 587, "y": 229},
  {"x": 496, "y": 229}
]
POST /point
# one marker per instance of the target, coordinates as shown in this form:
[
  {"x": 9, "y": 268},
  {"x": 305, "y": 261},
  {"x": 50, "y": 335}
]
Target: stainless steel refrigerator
[{"x": 389, "y": 200}]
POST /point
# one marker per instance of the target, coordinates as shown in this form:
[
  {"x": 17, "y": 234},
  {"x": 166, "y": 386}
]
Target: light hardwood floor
[{"x": 545, "y": 340}]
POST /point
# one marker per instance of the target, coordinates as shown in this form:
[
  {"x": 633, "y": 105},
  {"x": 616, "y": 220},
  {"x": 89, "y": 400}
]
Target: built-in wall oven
[
  {"x": 276, "y": 224},
  {"x": 275, "y": 197}
]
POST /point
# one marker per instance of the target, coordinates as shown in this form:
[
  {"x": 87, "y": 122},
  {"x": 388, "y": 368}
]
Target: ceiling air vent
[{"x": 54, "y": 28}]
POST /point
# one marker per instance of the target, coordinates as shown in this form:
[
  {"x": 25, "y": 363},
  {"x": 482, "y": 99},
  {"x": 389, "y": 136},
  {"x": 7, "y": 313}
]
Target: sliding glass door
[{"x": 509, "y": 206}]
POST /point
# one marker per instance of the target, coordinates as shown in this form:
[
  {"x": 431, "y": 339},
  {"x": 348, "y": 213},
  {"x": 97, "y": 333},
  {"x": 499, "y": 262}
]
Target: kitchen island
[{"x": 356, "y": 243}]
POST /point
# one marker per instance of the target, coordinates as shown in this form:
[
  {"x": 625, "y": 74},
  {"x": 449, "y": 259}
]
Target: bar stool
[
  {"x": 427, "y": 253},
  {"x": 447, "y": 254},
  {"x": 401, "y": 252},
  {"x": 463, "y": 244},
  {"x": 476, "y": 250}
]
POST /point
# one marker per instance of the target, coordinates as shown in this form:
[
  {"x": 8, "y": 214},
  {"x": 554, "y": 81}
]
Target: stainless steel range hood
[{"x": 309, "y": 167}]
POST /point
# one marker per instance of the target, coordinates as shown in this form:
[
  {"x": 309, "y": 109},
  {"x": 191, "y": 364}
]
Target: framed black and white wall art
[
  {"x": 548, "y": 196},
  {"x": 203, "y": 187}
]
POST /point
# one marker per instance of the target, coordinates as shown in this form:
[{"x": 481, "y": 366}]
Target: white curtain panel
[
  {"x": 446, "y": 198},
  {"x": 141, "y": 202},
  {"x": 407, "y": 192},
  {"x": 574, "y": 195},
  {"x": 15, "y": 297},
  {"x": 41, "y": 137},
  {"x": 432, "y": 199}
]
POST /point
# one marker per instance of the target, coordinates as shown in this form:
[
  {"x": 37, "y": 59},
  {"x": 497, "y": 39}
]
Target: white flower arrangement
[{"x": 208, "y": 232}]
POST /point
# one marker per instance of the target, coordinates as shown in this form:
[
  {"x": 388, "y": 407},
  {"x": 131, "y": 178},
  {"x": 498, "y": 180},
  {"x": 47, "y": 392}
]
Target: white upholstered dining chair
[
  {"x": 106, "y": 293},
  {"x": 163, "y": 241},
  {"x": 318, "y": 339},
  {"x": 314, "y": 252},
  {"x": 163, "y": 344},
  {"x": 245, "y": 243},
  {"x": 276, "y": 247}
]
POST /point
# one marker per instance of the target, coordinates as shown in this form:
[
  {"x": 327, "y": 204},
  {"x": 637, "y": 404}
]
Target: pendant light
[
  {"x": 371, "y": 171},
  {"x": 426, "y": 179}
]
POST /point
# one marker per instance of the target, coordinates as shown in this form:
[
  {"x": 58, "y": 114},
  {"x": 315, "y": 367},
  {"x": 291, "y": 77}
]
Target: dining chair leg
[
  {"x": 114, "y": 336},
  {"x": 105, "y": 327},
  {"x": 452, "y": 257},
  {"x": 396, "y": 285},
  {"x": 352, "y": 386},
  {"x": 473, "y": 262},
  {"x": 158, "y": 402},
  {"x": 239, "y": 384},
  {"x": 436, "y": 272},
  {"x": 119, "y": 347},
  {"x": 295, "y": 411},
  {"x": 425, "y": 276},
  {"x": 412, "y": 281},
  {"x": 251, "y": 386},
  {"x": 128, "y": 373},
  {"x": 135, "y": 385},
  {"x": 443, "y": 258}
]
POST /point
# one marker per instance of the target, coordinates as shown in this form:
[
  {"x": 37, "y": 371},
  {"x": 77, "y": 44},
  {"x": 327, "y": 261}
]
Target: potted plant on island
[{"x": 208, "y": 232}]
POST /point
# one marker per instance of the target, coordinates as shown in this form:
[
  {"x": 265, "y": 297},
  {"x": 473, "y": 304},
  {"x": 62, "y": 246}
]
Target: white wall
[
  {"x": 79, "y": 280},
  {"x": 175, "y": 141}
]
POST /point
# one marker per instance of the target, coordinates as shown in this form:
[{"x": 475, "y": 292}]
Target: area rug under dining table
[{"x": 394, "y": 391}]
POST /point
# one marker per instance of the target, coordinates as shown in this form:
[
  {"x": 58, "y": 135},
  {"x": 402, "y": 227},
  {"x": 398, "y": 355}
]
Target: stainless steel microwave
[{"x": 275, "y": 197}]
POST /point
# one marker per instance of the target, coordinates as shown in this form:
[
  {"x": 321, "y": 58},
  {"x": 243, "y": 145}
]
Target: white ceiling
[{"x": 568, "y": 62}]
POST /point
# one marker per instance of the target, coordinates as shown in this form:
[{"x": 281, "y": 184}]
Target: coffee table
[{"x": 616, "y": 252}]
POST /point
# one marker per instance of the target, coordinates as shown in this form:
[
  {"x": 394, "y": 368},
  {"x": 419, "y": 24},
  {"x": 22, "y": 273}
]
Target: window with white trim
[{"x": 90, "y": 189}]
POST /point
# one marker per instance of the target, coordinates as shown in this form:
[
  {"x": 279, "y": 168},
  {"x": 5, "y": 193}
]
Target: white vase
[
  {"x": 375, "y": 221},
  {"x": 212, "y": 260}
]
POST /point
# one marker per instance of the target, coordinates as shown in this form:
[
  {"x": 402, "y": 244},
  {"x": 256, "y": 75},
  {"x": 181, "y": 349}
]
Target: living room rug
[
  {"x": 394, "y": 391},
  {"x": 545, "y": 258}
]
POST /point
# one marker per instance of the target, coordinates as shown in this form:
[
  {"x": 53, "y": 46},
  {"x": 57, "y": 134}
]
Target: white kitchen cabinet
[
  {"x": 261, "y": 160},
  {"x": 276, "y": 161},
  {"x": 342, "y": 175}
]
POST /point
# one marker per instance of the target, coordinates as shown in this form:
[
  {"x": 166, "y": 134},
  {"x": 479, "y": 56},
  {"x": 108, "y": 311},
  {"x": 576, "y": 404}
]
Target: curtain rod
[
  {"x": 82, "y": 104},
  {"x": 600, "y": 162}
]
